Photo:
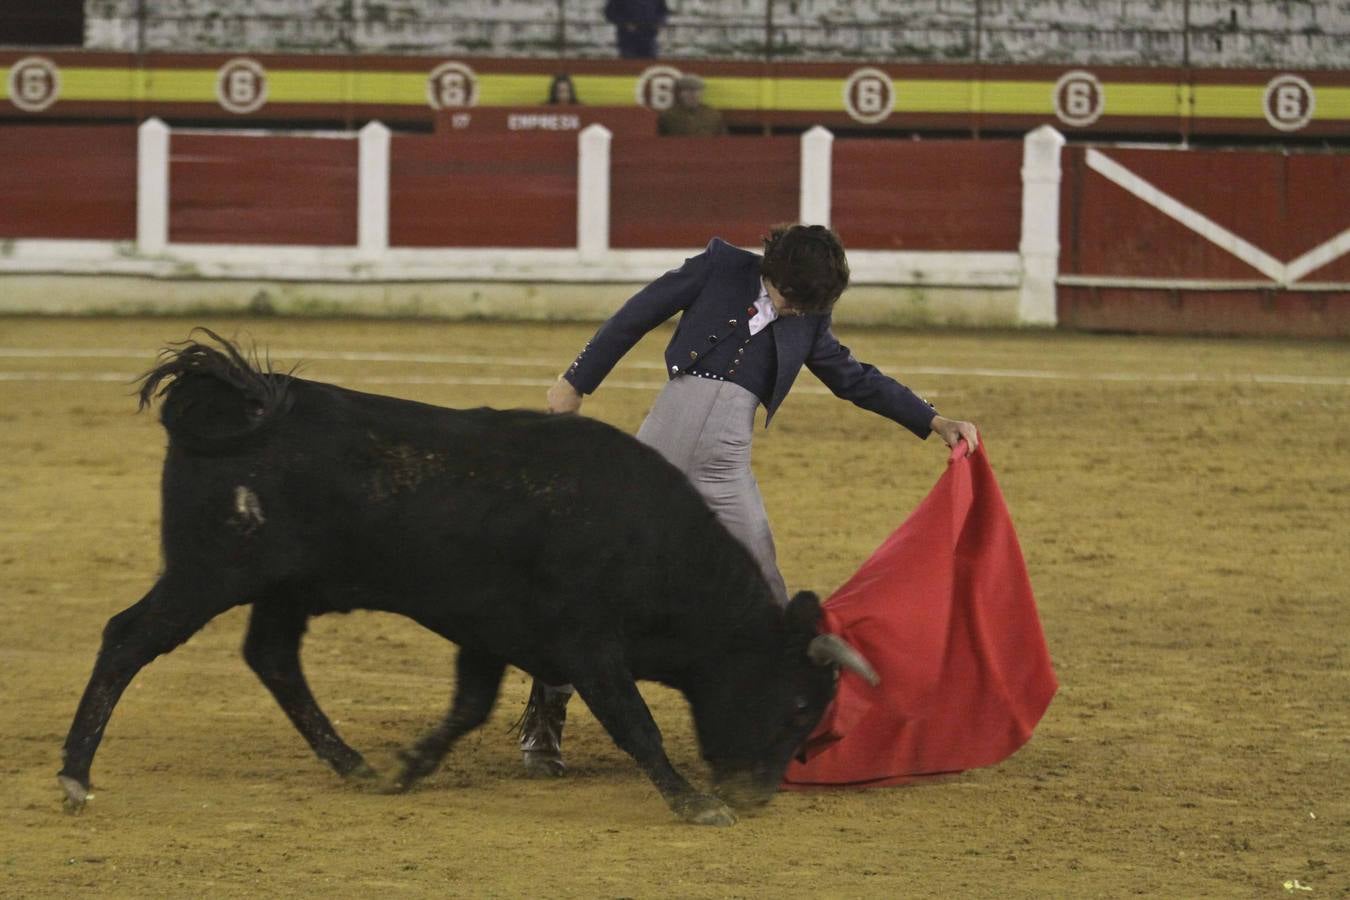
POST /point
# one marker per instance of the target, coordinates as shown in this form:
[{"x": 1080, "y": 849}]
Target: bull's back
[
  {"x": 380, "y": 482},
  {"x": 481, "y": 522}
]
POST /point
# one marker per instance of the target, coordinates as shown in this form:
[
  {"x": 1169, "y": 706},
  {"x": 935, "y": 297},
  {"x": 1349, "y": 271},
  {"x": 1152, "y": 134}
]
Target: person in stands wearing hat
[
  {"x": 747, "y": 326},
  {"x": 689, "y": 115}
]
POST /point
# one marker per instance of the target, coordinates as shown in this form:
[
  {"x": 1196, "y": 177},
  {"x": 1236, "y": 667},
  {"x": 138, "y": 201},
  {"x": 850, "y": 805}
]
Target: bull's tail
[{"x": 214, "y": 399}]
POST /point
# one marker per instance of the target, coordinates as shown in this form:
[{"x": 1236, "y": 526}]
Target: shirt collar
[{"x": 765, "y": 312}]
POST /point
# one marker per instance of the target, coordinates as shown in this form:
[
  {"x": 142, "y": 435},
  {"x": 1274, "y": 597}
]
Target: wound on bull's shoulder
[{"x": 248, "y": 514}]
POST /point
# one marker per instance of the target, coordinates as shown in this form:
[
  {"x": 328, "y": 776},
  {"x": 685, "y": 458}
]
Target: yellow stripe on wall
[
  {"x": 1018, "y": 97},
  {"x": 180, "y": 85},
  {"x": 935, "y": 96},
  {"x": 787, "y": 94},
  {"x": 308, "y": 86},
  {"x": 1222, "y": 101},
  {"x": 599, "y": 90},
  {"x": 1132, "y": 99},
  {"x": 1332, "y": 104},
  {"x": 513, "y": 90},
  {"x": 391, "y": 88},
  {"x": 98, "y": 84}
]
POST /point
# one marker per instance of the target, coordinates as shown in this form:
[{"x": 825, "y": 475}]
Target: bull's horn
[{"x": 826, "y": 649}]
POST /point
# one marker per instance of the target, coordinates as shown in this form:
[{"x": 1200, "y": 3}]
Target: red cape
[{"x": 943, "y": 611}]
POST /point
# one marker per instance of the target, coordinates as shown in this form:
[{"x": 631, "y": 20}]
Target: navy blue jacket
[{"x": 713, "y": 290}]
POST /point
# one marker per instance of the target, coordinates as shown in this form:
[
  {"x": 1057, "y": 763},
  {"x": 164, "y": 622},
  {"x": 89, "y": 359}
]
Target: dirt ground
[{"x": 1184, "y": 508}]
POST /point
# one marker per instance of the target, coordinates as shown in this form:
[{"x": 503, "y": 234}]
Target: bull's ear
[{"x": 803, "y": 613}]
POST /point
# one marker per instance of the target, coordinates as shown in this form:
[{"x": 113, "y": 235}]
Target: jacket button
[
  {"x": 731, "y": 322},
  {"x": 693, "y": 354},
  {"x": 712, "y": 338},
  {"x": 675, "y": 369}
]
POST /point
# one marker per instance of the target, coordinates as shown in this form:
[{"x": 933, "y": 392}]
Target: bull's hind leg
[
  {"x": 610, "y": 691},
  {"x": 272, "y": 650},
  {"x": 478, "y": 678},
  {"x": 165, "y": 617}
]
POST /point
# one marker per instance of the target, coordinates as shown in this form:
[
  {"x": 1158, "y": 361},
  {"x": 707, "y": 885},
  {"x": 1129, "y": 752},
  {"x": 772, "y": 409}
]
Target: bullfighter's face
[{"x": 780, "y": 303}]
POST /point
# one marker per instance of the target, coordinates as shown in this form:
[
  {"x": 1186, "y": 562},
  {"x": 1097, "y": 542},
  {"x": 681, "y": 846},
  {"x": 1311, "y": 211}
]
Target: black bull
[{"x": 553, "y": 543}]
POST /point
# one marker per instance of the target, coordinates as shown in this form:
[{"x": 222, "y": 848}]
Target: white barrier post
[
  {"x": 817, "y": 158},
  {"x": 1039, "y": 246},
  {"x": 593, "y": 191},
  {"x": 372, "y": 195},
  {"x": 152, "y": 187}
]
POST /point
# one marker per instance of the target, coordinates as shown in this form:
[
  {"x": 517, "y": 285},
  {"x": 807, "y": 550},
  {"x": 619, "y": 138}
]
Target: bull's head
[{"x": 769, "y": 700}]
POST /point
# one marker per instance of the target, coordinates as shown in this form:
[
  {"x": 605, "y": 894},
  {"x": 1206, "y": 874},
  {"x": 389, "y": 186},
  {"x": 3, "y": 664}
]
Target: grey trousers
[{"x": 703, "y": 427}]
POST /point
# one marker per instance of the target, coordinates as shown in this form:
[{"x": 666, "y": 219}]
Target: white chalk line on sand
[
  {"x": 129, "y": 380},
  {"x": 452, "y": 359}
]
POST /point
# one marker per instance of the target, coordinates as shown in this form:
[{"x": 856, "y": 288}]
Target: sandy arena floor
[{"x": 1184, "y": 507}]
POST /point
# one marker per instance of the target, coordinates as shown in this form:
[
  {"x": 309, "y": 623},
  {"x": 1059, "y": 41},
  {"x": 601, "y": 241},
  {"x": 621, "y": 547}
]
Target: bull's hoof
[
  {"x": 77, "y": 795},
  {"x": 364, "y": 779},
  {"x": 395, "y": 786},
  {"x": 704, "y": 810},
  {"x": 415, "y": 768},
  {"x": 360, "y": 772}
]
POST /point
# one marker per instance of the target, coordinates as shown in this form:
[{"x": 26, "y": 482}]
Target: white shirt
[{"x": 765, "y": 313}]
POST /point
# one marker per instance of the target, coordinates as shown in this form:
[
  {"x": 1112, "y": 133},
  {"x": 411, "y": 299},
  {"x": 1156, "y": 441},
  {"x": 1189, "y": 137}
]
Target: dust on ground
[{"x": 1184, "y": 508}]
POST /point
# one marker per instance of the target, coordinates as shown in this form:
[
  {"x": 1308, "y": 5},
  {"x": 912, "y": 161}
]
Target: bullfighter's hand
[
  {"x": 563, "y": 398},
  {"x": 953, "y": 430}
]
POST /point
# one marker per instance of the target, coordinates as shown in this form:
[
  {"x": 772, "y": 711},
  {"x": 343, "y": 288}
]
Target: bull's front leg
[{"x": 614, "y": 699}]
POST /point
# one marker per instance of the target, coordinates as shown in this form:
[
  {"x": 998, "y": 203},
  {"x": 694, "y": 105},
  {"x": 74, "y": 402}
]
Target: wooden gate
[{"x": 1221, "y": 242}]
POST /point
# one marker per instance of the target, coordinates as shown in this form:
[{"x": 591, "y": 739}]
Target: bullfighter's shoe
[{"x": 541, "y": 730}]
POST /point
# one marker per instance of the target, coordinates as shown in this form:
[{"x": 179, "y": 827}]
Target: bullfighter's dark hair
[{"x": 806, "y": 263}]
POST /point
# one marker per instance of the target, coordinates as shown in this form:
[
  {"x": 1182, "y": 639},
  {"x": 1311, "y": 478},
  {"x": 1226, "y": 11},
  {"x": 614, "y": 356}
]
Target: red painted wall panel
[
  {"x": 1285, "y": 205},
  {"x": 494, "y": 191},
  {"x": 68, "y": 182},
  {"x": 680, "y": 192},
  {"x": 1251, "y": 313},
  {"x": 262, "y": 190},
  {"x": 928, "y": 195}
]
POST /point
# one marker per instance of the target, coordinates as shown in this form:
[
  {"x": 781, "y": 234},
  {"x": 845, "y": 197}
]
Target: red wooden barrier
[
  {"x": 499, "y": 191},
  {"x": 262, "y": 190},
  {"x": 1281, "y": 206},
  {"x": 64, "y": 182},
  {"x": 928, "y": 195},
  {"x": 679, "y": 192},
  {"x": 1250, "y": 313},
  {"x": 635, "y": 120}
]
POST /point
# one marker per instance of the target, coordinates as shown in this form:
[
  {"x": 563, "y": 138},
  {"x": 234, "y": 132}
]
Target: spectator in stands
[
  {"x": 561, "y": 92},
  {"x": 747, "y": 326},
  {"x": 636, "y": 23},
  {"x": 690, "y": 115}
]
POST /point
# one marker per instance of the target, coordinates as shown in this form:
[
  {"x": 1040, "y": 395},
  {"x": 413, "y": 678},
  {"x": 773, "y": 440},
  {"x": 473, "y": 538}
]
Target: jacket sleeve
[
  {"x": 865, "y": 385},
  {"x": 646, "y": 309}
]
